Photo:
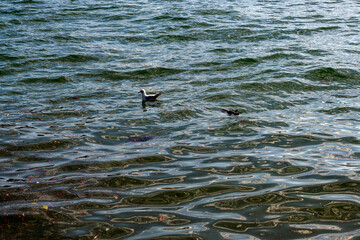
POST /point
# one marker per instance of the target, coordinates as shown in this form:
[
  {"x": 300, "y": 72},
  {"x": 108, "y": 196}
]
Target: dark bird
[
  {"x": 230, "y": 112},
  {"x": 149, "y": 97},
  {"x": 141, "y": 138}
]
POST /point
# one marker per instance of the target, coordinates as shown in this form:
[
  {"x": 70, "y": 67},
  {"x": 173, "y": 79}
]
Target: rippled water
[{"x": 82, "y": 158}]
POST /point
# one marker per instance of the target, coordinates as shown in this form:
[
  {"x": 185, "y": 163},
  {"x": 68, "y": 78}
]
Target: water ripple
[{"x": 82, "y": 157}]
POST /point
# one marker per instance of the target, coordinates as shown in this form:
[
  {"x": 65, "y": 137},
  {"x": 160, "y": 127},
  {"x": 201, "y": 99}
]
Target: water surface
[{"x": 82, "y": 158}]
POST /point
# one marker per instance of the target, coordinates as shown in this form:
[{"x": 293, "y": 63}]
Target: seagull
[
  {"x": 149, "y": 97},
  {"x": 230, "y": 112}
]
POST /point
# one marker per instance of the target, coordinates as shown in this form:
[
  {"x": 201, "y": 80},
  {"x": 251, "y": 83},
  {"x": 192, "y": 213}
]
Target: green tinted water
[{"x": 82, "y": 158}]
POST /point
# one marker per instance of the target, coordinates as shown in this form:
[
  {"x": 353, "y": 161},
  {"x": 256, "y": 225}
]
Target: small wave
[
  {"x": 74, "y": 58},
  {"x": 311, "y": 214},
  {"x": 124, "y": 182},
  {"x": 317, "y": 52},
  {"x": 69, "y": 38},
  {"x": 233, "y": 33},
  {"x": 328, "y": 28},
  {"x": 29, "y": 158},
  {"x": 206, "y": 12},
  {"x": 28, "y": 2},
  {"x": 7, "y": 57},
  {"x": 142, "y": 74},
  {"x": 336, "y": 111},
  {"x": 276, "y": 204},
  {"x": 245, "y": 61},
  {"x": 281, "y": 56},
  {"x": 118, "y": 17},
  {"x": 39, "y": 222},
  {"x": 175, "y": 197},
  {"x": 178, "y": 115},
  {"x": 183, "y": 150},
  {"x": 333, "y": 75},
  {"x": 222, "y": 50},
  {"x": 66, "y": 114},
  {"x": 232, "y": 127},
  {"x": 250, "y": 169},
  {"x": 216, "y": 97},
  {"x": 308, "y": 31},
  {"x": 134, "y": 39},
  {"x": 61, "y": 79},
  {"x": 168, "y": 219},
  {"x": 207, "y": 64},
  {"x": 289, "y": 141},
  {"x": 9, "y": 71},
  {"x": 287, "y": 86},
  {"x": 42, "y": 146},
  {"x": 107, "y": 166},
  {"x": 178, "y": 37},
  {"x": 171, "y": 18},
  {"x": 265, "y": 199},
  {"x": 74, "y": 98}
]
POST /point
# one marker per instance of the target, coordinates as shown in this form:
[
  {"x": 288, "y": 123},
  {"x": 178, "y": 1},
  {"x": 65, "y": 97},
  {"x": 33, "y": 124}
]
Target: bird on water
[
  {"x": 146, "y": 97},
  {"x": 230, "y": 112}
]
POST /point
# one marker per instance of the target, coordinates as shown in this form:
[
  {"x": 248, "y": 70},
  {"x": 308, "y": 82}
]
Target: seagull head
[{"x": 142, "y": 91}]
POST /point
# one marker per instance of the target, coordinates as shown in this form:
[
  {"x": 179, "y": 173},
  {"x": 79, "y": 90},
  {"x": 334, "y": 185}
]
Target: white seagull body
[{"x": 149, "y": 97}]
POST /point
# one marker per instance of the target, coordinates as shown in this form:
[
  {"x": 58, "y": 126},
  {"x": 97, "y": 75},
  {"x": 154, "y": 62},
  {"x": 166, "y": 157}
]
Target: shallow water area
[{"x": 81, "y": 157}]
